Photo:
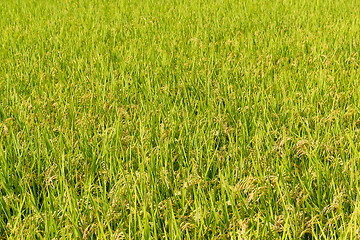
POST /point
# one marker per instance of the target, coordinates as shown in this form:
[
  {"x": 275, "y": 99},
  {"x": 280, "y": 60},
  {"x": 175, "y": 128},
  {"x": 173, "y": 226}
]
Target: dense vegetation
[{"x": 174, "y": 119}]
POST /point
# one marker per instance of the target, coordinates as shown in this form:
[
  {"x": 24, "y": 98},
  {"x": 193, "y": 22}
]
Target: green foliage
[{"x": 175, "y": 119}]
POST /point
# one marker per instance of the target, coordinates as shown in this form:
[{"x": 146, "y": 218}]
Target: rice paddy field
[{"x": 175, "y": 119}]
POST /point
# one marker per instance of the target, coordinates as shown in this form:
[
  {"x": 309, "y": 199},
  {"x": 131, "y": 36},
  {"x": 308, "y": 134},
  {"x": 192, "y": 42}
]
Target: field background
[{"x": 211, "y": 119}]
